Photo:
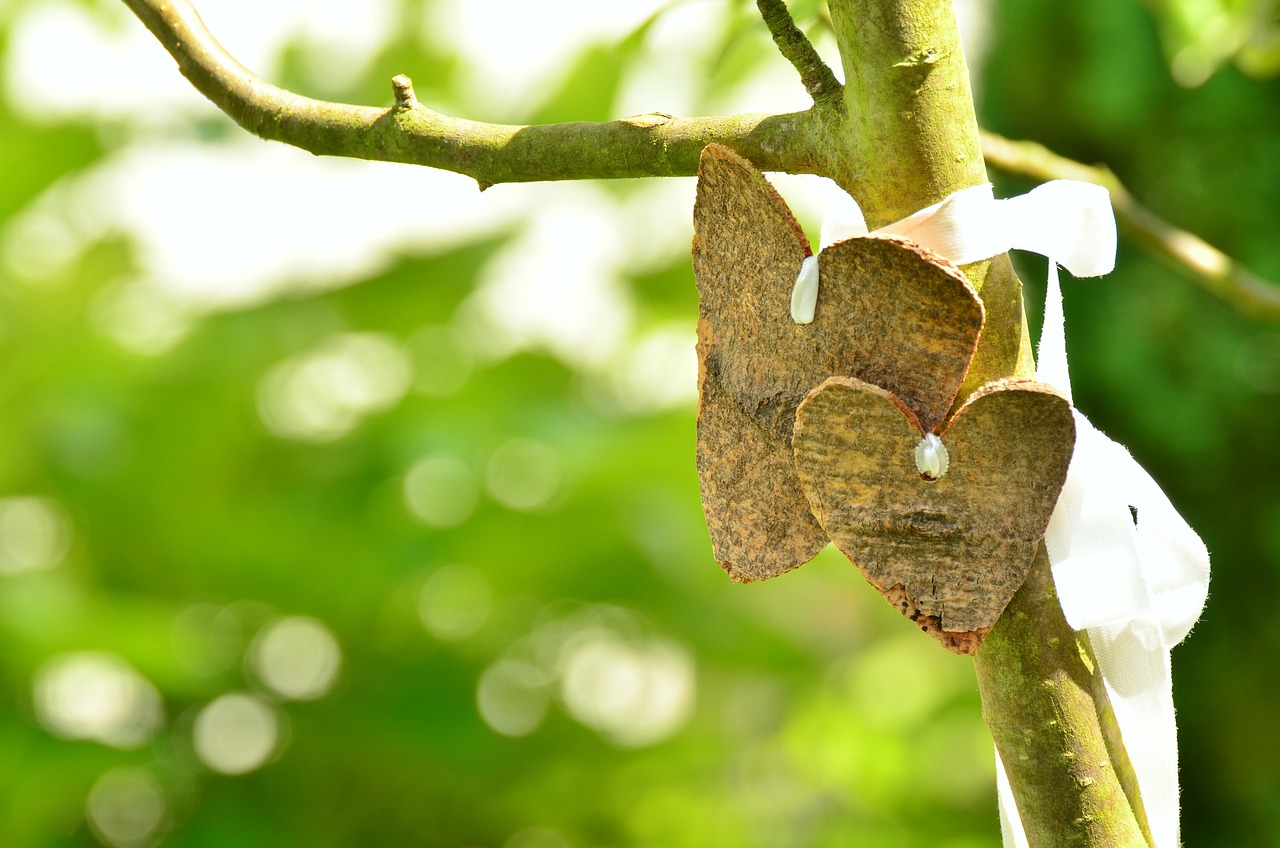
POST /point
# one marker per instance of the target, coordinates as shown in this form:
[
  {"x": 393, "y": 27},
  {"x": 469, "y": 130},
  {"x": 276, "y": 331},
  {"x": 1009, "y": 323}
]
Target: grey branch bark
[{"x": 642, "y": 146}]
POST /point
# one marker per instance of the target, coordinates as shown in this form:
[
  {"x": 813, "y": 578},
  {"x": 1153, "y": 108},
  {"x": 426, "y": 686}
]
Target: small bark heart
[{"x": 949, "y": 553}]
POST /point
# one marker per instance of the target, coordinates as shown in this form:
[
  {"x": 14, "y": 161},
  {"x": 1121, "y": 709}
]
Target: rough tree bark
[{"x": 900, "y": 135}]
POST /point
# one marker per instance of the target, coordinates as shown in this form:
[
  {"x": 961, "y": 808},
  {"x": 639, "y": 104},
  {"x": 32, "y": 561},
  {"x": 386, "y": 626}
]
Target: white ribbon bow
[
  {"x": 1070, "y": 222},
  {"x": 1127, "y": 567}
]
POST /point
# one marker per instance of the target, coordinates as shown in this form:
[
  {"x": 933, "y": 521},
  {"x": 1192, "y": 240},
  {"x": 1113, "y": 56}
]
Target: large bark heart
[
  {"x": 948, "y": 553},
  {"x": 889, "y": 312}
]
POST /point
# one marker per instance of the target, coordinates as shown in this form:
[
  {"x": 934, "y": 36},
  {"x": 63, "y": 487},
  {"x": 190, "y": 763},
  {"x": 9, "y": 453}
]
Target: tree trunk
[{"x": 912, "y": 137}]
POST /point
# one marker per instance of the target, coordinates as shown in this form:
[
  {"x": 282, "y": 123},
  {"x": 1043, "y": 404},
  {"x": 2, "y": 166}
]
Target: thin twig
[
  {"x": 1202, "y": 262},
  {"x": 642, "y": 146},
  {"x": 818, "y": 79}
]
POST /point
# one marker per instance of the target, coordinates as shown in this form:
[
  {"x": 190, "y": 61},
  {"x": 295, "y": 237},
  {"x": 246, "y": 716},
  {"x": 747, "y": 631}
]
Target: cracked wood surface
[{"x": 948, "y": 553}]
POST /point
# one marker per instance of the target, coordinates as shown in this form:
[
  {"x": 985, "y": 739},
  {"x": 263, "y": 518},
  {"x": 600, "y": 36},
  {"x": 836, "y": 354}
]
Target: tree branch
[
  {"x": 818, "y": 79},
  {"x": 1199, "y": 260},
  {"x": 642, "y": 146},
  {"x": 1052, "y": 722}
]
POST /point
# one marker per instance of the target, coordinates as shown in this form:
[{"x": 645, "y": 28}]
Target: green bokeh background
[{"x": 819, "y": 716}]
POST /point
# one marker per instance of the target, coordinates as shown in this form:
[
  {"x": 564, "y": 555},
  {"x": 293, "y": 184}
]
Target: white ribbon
[
  {"x": 1070, "y": 222},
  {"x": 1127, "y": 567},
  {"x": 1133, "y": 573}
]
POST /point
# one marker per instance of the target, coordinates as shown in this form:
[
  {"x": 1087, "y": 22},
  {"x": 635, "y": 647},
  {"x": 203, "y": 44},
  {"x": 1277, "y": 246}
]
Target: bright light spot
[
  {"x": 557, "y": 286},
  {"x": 40, "y": 242},
  {"x": 678, "y": 47},
  {"x": 455, "y": 602},
  {"x": 297, "y": 658},
  {"x": 314, "y": 223},
  {"x": 324, "y": 394},
  {"x": 764, "y": 88},
  {"x": 346, "y": 37},
  {"x": 141, "y": 318},
  {"x": 512, "y": 697},
  {"x": 654, "y": 237},
  {"x": 236, "y": 733},
  {"x": 659, "y": 84},
  {"x": 659, "y": 372},
  {"x": 632, "y": 688},
  {"x": 126, "y": 807},
  {"x": 873, "y": 684},
  {"x": 441, "y": 358},
  {"x": 523, "y": 474},
  {"x": 973, "y": 19},
  {"x": 1200, "y": 255},
  {"x": 257, "y": 34},
  {"x": 34, "y": 534},
  {"x": 69, "y": 61},
  {"x": 441, "y": 491},
  {"x": 1192, "y": 66},
  {"x": 633, "y": 693},
  {"x": 509, "y": 70},
  {"x": 1212, "y": 35},
  {"x": 536, "y": 837},
  {"x": 97, "y": 696}
]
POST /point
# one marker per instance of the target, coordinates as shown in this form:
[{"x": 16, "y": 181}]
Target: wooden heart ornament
[
  {"x": 949, "y": 552},
  {"x": 889, "y": 313}
]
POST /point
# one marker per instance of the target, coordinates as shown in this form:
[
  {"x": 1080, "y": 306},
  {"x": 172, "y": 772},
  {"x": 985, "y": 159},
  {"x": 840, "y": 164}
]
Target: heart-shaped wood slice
[
  {"x": 888, "y": 312},
  {"x": 948, "y": 553}
]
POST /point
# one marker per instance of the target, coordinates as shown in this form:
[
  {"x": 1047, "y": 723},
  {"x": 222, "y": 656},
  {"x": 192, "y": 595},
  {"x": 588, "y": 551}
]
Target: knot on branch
[
  {"x": 402, "y": 86},
  {"x": 649, "y": 120}
]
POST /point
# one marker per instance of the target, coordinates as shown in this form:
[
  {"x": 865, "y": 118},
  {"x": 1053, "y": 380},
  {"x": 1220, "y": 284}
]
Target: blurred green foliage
[
  {"x": 334, "y": 569},
  {"x": 1200, "y": 35}
]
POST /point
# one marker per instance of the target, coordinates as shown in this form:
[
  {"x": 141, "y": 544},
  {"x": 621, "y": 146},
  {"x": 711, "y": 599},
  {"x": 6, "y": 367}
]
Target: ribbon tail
[
  {"x": 845, "y": 223},
  {"x": 1012, "y": 834},
  {"x": 1137, "y": 673},
  {"x": 1175, "y": 559},
  {"x": 1051, "y": 360},
  {"x": 1134, "y": 574}
]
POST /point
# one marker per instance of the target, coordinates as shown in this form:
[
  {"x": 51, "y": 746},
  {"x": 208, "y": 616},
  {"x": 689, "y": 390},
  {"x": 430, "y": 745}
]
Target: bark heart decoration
[
  {"x": 890, "y": 313},
  {"x": 948, "y": 553}
]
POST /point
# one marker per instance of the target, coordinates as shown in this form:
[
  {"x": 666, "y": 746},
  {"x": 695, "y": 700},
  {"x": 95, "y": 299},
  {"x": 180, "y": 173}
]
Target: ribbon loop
[
  {"x": 1068, "y": 221},
  {"x": 965, "y": 227}
]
